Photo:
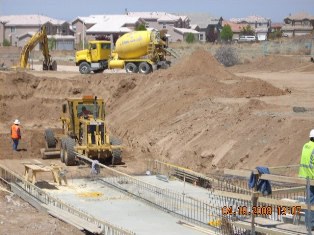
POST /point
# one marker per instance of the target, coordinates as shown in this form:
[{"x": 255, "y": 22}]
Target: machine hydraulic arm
[{"x": 39, "y": 37}]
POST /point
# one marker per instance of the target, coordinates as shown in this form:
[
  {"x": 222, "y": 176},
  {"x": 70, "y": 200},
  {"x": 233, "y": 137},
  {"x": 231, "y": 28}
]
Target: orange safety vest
[{"x": 15, "y": 132}]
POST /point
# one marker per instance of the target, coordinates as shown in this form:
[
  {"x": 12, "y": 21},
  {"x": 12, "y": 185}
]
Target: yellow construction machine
[
  {"x": 84, "y": 132},
  {"x": 138, "y": 51},
  {"x": 41, "y": 38}
]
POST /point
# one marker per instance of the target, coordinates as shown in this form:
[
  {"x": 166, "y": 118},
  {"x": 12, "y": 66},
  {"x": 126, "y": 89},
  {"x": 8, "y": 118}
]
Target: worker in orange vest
[{"x": 15, "y": 134}]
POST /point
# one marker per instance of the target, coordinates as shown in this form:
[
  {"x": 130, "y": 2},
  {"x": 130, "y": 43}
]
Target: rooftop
[
  {"x": 159, "y": 16},
  {"x": 250, "y": 19},
  {"x": 184, "y": 30},
  {"x": 29, "y": 20},
  {"x": 110, "y": 23},
  {"x": 203, "y": 19},
  {"x": 300, "y": 16}
]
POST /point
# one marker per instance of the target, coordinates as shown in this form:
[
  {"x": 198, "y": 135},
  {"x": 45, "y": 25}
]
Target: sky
[{"x": 276, "y": 10}]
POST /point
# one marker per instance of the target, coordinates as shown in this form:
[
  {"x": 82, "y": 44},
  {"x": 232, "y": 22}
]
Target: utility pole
[{"x": 83, "y": 34}]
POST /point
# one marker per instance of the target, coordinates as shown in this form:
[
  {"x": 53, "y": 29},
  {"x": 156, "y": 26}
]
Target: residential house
[
  {"x": 165, "y": 21},
  {"x": 208, "y": 26},
  {"x": 18, "y": 28},
  {"x": 236, "y": 29},
  {"x": 185, "y": 32},
  {"x": 102, "y": 25},
  {"x": 298, "y": 24},
  {"x": 260, "y": 25}
]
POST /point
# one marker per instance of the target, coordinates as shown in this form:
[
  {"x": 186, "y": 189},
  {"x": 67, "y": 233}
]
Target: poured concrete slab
[{"x": 119, "y": 209}]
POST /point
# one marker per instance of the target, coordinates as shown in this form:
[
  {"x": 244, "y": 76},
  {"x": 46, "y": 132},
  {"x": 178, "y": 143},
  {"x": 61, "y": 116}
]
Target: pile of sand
[{"x": 167, "y": 114}]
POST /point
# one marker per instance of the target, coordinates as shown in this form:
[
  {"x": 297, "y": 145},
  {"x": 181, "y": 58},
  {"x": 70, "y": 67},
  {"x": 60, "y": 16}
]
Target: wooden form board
[
  {"x": 265, "y": 200},
  {"x": 276, "y": 178}
]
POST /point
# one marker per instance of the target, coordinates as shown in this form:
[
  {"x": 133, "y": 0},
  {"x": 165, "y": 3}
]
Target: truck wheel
[
  {"x": 144, "y": 68},
  {"x": 62, "y": 150},
  {"x": 50, "y": 138},
  {"x": 69, "y": 153},
  {"x": 53, "y": 66},
  {"x": 84, "y": 68},
  {"x": 131, "y": 68},
  {"x": 116, "y": 154}
]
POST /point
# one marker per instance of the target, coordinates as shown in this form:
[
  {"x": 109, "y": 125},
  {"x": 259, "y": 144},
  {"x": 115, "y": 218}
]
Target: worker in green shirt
[{"x": 306, "y": 170}]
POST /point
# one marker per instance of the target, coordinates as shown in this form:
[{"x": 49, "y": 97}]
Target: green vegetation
[
  {"x": 247, "y": 30},
  {"x": 6, "y": 43},
  {"x": 226, "y": 33},
  {"x": 140, "y": 27},
  {"x": 52, "y": 42},
  {"x": 190, "y": 38},
  {"x": 275, "y": 35}
]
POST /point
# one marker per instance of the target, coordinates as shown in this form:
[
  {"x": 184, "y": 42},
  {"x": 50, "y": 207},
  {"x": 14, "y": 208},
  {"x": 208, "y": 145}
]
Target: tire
[
  {"x": 53, "y": 66},
  {"x": 50, "y": 138},
  {"x": 131, "y": 68},
  {"x": 144, "y": 68},
  {"x": 99, "y": 71},
  {"x": 84, "y": 68},
  {"x": 69, "y": 153},
  {"x": 116, "y": 154},
  {"x": 62, "y": 150}
]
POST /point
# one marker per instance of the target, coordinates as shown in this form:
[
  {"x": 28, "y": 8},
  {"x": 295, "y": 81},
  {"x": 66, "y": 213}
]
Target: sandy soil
[
  {"x": 18, "y": 217},
  {"x": 196, "y": 114}
]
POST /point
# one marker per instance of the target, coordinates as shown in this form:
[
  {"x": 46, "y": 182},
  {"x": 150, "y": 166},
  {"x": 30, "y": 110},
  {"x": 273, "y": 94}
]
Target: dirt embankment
[
  {"x": 273, "y": 63},
  {"x": 196, "y": 114}
]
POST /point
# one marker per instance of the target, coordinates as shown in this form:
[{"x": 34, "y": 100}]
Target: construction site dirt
[{"x": 196, "y": 114}]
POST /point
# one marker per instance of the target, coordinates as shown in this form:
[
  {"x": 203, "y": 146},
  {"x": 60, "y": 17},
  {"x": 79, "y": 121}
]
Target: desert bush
[
  {"x": 6, "y": 43},
  {"x": 227, "y": 56}
]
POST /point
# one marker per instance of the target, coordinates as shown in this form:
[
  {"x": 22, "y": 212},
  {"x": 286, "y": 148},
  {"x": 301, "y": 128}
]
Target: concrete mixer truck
[{"x": 138, "y": 51}]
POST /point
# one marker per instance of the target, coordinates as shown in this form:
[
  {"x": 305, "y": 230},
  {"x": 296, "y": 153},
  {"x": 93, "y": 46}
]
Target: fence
[{"x": 12, "y": 178}]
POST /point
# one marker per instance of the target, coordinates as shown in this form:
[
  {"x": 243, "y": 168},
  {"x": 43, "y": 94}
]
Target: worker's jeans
[
  {"x": 15, "y": 144},
  {"x": 311, "y": 225}
]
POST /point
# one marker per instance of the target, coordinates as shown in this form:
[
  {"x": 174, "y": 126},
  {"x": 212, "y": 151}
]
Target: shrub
[
  {"x": 226, "y": 33},
  {"x": 140, "y": 27},
  {"x": 227, "y": 56},
  {"x": 6, "y": 43},
  {"x": 52, "y": 42},
  {"x": 190, "y": 38}
]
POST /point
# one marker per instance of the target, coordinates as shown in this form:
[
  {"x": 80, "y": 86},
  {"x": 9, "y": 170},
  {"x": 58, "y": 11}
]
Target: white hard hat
[
  {"x": 17, "y": 122},
  {"x": 312, "y": 133}
]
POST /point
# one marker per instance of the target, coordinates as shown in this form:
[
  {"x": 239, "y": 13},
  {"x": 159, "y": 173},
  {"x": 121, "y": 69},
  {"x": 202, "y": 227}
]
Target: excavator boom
[{"x": 39, "y": 37}]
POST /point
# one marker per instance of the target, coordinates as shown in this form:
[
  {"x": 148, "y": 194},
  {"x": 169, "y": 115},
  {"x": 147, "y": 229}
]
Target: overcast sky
[{"x": 277, "y": 10}]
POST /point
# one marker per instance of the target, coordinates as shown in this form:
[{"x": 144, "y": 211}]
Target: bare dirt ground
[{"x": 196, "y": 114}]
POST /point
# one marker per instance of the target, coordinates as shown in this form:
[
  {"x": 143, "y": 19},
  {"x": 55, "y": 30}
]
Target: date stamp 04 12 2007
[{"x": 261, "y": 210}]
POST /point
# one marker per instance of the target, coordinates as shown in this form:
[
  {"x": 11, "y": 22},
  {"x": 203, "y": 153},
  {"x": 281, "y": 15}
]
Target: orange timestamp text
[{"x": 260, "y": 210}]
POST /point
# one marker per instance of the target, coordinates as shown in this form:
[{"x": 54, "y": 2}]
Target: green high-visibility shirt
[{"x": 307, "y": 161}]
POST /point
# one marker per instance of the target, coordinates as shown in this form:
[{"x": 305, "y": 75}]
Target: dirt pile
[
  {"x": 195, "y": 113},
  {"x": 200, "y": 63},
  {"x": 202, "y": 72}
]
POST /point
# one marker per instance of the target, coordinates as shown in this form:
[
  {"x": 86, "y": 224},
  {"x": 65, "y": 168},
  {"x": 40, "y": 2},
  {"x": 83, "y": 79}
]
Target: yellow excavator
[{"x": 39, "y": 37}]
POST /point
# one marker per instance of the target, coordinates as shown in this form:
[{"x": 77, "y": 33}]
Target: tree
[
  {"x": 226, "y": 33},
  {"x": 247, "y": 30},
  {"x": 140, "y": 27},
  {"x": 190, "y": 38},
  {"x": 6, "y": 43},
  {"x": 52, "y": 43}
]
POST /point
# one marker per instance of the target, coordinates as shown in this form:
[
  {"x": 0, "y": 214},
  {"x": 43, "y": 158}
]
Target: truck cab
[{"x": 95, "y": 58}]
